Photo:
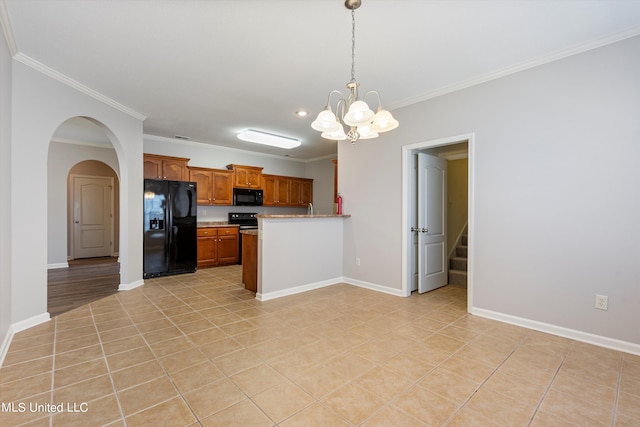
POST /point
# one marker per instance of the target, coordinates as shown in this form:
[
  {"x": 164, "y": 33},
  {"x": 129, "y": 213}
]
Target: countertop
[
  {"x": 269, "y": 216},
  {"x": 251, "y": 231},
  {"x": 208, "y": 224}
]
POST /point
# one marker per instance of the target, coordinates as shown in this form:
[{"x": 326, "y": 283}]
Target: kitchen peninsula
[{"x": 297, "y": 253}]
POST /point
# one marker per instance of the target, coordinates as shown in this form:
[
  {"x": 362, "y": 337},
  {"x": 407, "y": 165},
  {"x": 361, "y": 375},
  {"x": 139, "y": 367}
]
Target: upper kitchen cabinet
[
  {"x": 287, "y": 191},
  {"x": 276, "y": 190},
  {"x": 164, "y": 167},
  {"x": 246, "y": 176},
  {"x": 215, "y": 187},
  {"x": 301, "y": 193}
]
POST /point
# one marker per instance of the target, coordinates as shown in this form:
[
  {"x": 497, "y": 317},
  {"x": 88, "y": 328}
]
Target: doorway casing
[{"x": 408, "y": 192}]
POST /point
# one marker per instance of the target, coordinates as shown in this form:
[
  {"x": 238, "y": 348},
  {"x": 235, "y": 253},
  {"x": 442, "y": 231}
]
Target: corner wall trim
[
  {"x": 298, "y": 289},
  {"x": 17, "y": 327},
  {"x": 57, "y": 265},
  {"x": 129, "y": 286},
  {"x": 4, "y": 345},
  {"x": 373, "y": 287},
  {"x": 611, "y": 343}
]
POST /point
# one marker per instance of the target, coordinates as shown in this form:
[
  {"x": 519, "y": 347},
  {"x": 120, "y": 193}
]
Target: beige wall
[{"x": 457, "y": 204}]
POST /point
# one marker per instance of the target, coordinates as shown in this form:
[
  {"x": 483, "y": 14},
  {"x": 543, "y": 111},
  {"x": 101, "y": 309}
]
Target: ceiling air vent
[{"x": 184, "y": 138}]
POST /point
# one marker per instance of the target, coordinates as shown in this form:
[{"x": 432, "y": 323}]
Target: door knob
[
  {"x": 415, "y": 229},
  {"x": 424, "y": 230}
]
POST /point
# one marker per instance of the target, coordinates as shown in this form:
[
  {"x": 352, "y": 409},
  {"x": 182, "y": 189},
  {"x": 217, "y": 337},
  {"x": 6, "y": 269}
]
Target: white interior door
[
  {"x": 432, "y": 222},
  {"x": 413, "y": 219},
  {"x": 92, "y": 216}
]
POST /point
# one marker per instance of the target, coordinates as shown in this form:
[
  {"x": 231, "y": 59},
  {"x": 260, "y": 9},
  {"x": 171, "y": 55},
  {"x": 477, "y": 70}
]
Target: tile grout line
[
  {"x": 106, "y": 362},
  {"x": 157, "y": 359},
  {"x": 53, "y": 365},
  {"x": 614, "y": 414},
  {"x": 548, "y": 387}
]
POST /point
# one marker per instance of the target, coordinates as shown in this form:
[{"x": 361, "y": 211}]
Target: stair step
[
  {"x": 458, "y": 263},
  {"x": 461, "y": 251},
  {"x": 457, "y": 277},
  {"x": 464, "y": 240}
]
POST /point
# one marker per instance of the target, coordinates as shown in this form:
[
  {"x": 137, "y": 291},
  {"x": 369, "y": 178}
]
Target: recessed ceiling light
[
  {"x": 265, "y": 138},
  {"x": 302, "y": 113}
]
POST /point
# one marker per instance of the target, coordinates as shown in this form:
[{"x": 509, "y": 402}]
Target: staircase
[{"x": 458, "y": 264}]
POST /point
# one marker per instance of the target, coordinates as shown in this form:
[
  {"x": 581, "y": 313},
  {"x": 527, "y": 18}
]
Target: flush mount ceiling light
[
  {"x": 265, "y": 138},
  {"x": 362, "y": 122}
]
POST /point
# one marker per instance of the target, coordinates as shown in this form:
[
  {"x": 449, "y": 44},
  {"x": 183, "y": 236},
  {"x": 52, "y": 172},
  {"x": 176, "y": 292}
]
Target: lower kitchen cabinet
[{"x": 217, "y": 246}]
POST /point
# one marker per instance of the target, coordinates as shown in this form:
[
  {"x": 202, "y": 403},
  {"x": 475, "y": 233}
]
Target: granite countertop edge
[
  {"x": 251, "y": 231},
  {"x": 270, "y": 216},
  {"x": 210, "y": 224}
]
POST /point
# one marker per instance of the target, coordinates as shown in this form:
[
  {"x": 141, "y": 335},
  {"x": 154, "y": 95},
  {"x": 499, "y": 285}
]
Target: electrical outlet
[
  {"x": 357, "y": 262},
  {"x": 602, "y": 302}
]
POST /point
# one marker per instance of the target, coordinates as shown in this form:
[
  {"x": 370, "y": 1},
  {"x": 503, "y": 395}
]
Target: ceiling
[{"x": 207, "y": 69}]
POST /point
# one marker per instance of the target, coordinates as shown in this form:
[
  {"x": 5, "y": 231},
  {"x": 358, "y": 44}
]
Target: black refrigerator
[{"x": 170, "y": 228}]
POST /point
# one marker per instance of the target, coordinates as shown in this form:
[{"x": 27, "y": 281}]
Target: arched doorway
[{"x": 82, "y": 215}]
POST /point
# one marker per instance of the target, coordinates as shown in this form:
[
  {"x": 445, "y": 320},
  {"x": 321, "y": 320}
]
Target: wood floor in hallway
[{"x": 84, "y": 281}]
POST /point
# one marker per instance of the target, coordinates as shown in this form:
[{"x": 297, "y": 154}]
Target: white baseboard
[
  {"x": 4, "y": 346},
  {"x": 328, "y": 282},
  {"x": 30, "y": 322},
  {"x": 58, "y": 265},
  {"x": 298, "y": 289},
  {"x": 129, "y": 286},
  {"x": 17, "y": 327},
  {"x": 373, "y": 287},
  {"x": 611, "y": 343}
]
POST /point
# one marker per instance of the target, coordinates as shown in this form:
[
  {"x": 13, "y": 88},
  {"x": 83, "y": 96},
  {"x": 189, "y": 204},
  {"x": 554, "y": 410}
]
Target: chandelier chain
[{"x": 353, "y": 45}]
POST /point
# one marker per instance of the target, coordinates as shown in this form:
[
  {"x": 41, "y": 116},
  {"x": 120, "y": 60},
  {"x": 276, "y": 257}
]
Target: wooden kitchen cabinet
[
  {"x": 301, "y": 192},
  {"x": 165, "y": 167},
  {"x": 207, "y": 247},
  {"x": 276, "y": 190},
  {"x": 306, "y": 192},
  {"x": 215, "y": 186},
  {"x": 287, "y": 191},
  {"x": 246, "y": 176},
  {"x": 228, "y": 245},
  {"x": 250, "y": 261},
  {"x": 217, "y": 246}
]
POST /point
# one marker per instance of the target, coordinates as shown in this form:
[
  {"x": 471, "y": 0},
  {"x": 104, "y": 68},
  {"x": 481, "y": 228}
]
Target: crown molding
[
  {"x": 7, "y": 29},
  {"x": 574, "y": 50},
  {"x": 50, "y": 72}
]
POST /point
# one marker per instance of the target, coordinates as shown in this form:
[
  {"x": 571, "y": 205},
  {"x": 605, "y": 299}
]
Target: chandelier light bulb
[
  {"x": 359, "y": 114},
  {"x": 383, "y": 121},
  {"x": 326, "y": 121}
]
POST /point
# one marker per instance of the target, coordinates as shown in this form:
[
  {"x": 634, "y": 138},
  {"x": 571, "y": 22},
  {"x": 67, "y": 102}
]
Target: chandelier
[{"x": 351, "y": 111}]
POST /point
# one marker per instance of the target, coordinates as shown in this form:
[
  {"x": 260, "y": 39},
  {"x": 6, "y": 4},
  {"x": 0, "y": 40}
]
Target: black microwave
[{"x": 247, "y": 197}]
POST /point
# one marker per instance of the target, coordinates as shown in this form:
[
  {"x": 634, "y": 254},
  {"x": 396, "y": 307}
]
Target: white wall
[
  {"x": 5, "y": 195},
  {"x": 556, "y": 173},
  {"x": 298, "y": 254},
  {"x": 321, "y": 171},
  {"x": 40, "y": 105},
  {"x": 62, "y": 157}
]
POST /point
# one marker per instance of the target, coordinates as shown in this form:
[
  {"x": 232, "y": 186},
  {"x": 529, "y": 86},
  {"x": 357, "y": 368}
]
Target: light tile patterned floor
[{"x": 198, "y": 349}]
